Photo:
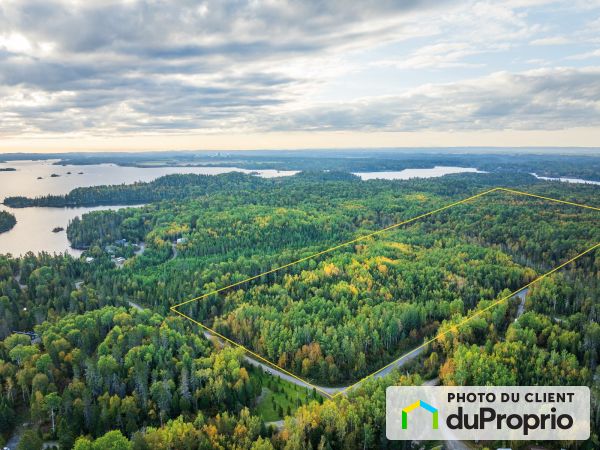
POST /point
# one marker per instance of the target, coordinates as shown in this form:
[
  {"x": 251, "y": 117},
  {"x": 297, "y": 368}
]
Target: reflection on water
[
  {"x": 407, "y": 174},
  {"x": 33, "y": 231},
  {"x": 567, "y": 180}
]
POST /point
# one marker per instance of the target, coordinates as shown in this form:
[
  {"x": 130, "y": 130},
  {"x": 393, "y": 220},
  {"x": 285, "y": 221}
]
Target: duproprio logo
[
  {"x": 426, "y": 407},
  {"x": 490, "y": 413}
]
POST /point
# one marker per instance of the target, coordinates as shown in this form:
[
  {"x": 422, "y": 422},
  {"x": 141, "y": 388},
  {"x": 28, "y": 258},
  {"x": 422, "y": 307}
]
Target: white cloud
[
  {"x": 585, "y": 55},
  {"x": 551, "y": 40},
  {"x": 441, "y": 55}
]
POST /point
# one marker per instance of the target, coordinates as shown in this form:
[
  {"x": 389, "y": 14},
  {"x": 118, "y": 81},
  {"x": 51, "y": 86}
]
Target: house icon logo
[{"x": 426, "y": 407}]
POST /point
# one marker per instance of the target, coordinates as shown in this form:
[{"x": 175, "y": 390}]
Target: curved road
[
  {"x": 327, "y": 390},
  {"x": 14, "y": 440},
  {"x": 521, "y": 308}
]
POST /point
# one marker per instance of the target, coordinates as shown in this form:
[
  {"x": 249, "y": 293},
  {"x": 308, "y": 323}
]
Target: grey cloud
[
  {"x": 169, "y": 66},
  {"x": 540, "y": 99},
  {"x": 174, "y": 27},
  {"x": 172, "y": 64}
]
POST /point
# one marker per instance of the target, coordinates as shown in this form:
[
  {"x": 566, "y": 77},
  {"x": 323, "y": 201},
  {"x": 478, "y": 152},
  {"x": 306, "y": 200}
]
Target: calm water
[
  {"x": 567, "y": 180},
  {"x": 407, "y": 174},
  {"x": 24, "y": 181},
  {"x": 33, "y": 231}
]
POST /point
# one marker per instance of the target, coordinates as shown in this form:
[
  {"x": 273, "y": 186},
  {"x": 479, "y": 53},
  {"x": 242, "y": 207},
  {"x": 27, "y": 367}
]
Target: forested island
[
  {"x": 164, "y": 188},
  {"x": 7, "y": 221},
  {"x": 112, "y": 367}
]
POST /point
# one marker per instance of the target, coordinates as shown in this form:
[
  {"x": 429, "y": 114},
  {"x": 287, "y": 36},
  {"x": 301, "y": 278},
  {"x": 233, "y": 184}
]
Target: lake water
[
  {"x": 567, "y": 180},
  {"x": 407, "y": 174},
  {"x": 24, "y": 181},
  {"x": 33, "y": 231}
]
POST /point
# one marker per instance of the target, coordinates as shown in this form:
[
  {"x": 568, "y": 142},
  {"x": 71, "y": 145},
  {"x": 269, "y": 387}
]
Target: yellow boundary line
[
  {"x": 343, "y": 244},
  {"x": 464, "y": 321},
  {"x": 366, "y": 236},
  {"x": 254, "y": 354},
  {"x": 512, "y": 191}
]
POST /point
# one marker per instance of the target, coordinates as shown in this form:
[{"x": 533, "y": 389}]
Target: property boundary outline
[{"x": 367, "y": 236}]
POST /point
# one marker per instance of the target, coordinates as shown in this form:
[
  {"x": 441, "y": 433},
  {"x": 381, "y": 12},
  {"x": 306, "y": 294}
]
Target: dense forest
[
  {"x": 101, "y": 372},
  {"x": 7, "y": 221}
]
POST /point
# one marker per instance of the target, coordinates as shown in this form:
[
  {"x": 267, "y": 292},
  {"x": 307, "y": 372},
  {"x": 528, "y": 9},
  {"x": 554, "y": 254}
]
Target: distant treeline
[
  {"x": 505, "y": 160},
  {"x": 313, "y": 164},
  {"x": 510, "y": 161}
]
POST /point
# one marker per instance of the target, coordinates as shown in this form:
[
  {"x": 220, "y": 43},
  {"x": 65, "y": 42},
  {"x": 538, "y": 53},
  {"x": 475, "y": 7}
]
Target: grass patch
[{"x": 278, "y": 398}]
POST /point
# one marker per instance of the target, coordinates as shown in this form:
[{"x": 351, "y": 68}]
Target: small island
[
  {"x": 57, "y": 229},
  {"x": 7, "y": 221},
  {"x": 54, "y": 175},
  {"x": 39, "y": 178},
  {"x": 7, "y": 169}
]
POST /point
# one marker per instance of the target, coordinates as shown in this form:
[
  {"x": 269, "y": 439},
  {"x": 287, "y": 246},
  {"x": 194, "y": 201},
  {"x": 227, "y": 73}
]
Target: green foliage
[
  {"x": 30, "y": 440},
  {"x": 220, "y": 432},
  {"x": 278, "y": 396},
  {"x": 113, "y": 440},
  {"x": 7, "y": 221},
  {"x": 125, "y": 378},
  {"x": 169, "y": 187},
  {"x": 110, "y": 366}
]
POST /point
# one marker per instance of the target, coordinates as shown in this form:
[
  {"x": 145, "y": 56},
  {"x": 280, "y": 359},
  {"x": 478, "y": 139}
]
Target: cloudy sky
[{"x": 218, "y": 74}]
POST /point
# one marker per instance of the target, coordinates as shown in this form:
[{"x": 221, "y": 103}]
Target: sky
[{"x": 232, "y": 74}]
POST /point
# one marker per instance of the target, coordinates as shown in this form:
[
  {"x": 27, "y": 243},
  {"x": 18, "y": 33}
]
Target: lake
[
  {"x": 24, "y": 181},
  {"x": 407, "y": 174},
  {"x": 33, "y": 231},
  {"x": 567, "y": 180}
]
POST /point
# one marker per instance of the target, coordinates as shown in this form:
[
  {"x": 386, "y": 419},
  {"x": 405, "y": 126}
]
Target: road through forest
[{"x": 273, "y": 370}]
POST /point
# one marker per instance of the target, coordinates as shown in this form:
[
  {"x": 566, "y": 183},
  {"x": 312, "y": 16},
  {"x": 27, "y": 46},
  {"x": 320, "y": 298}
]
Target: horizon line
[{"x": 311, "y": 149}]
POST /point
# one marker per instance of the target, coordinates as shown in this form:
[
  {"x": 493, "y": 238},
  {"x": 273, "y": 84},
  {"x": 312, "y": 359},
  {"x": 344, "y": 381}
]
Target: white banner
[{"x": 486, "y": 413}]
